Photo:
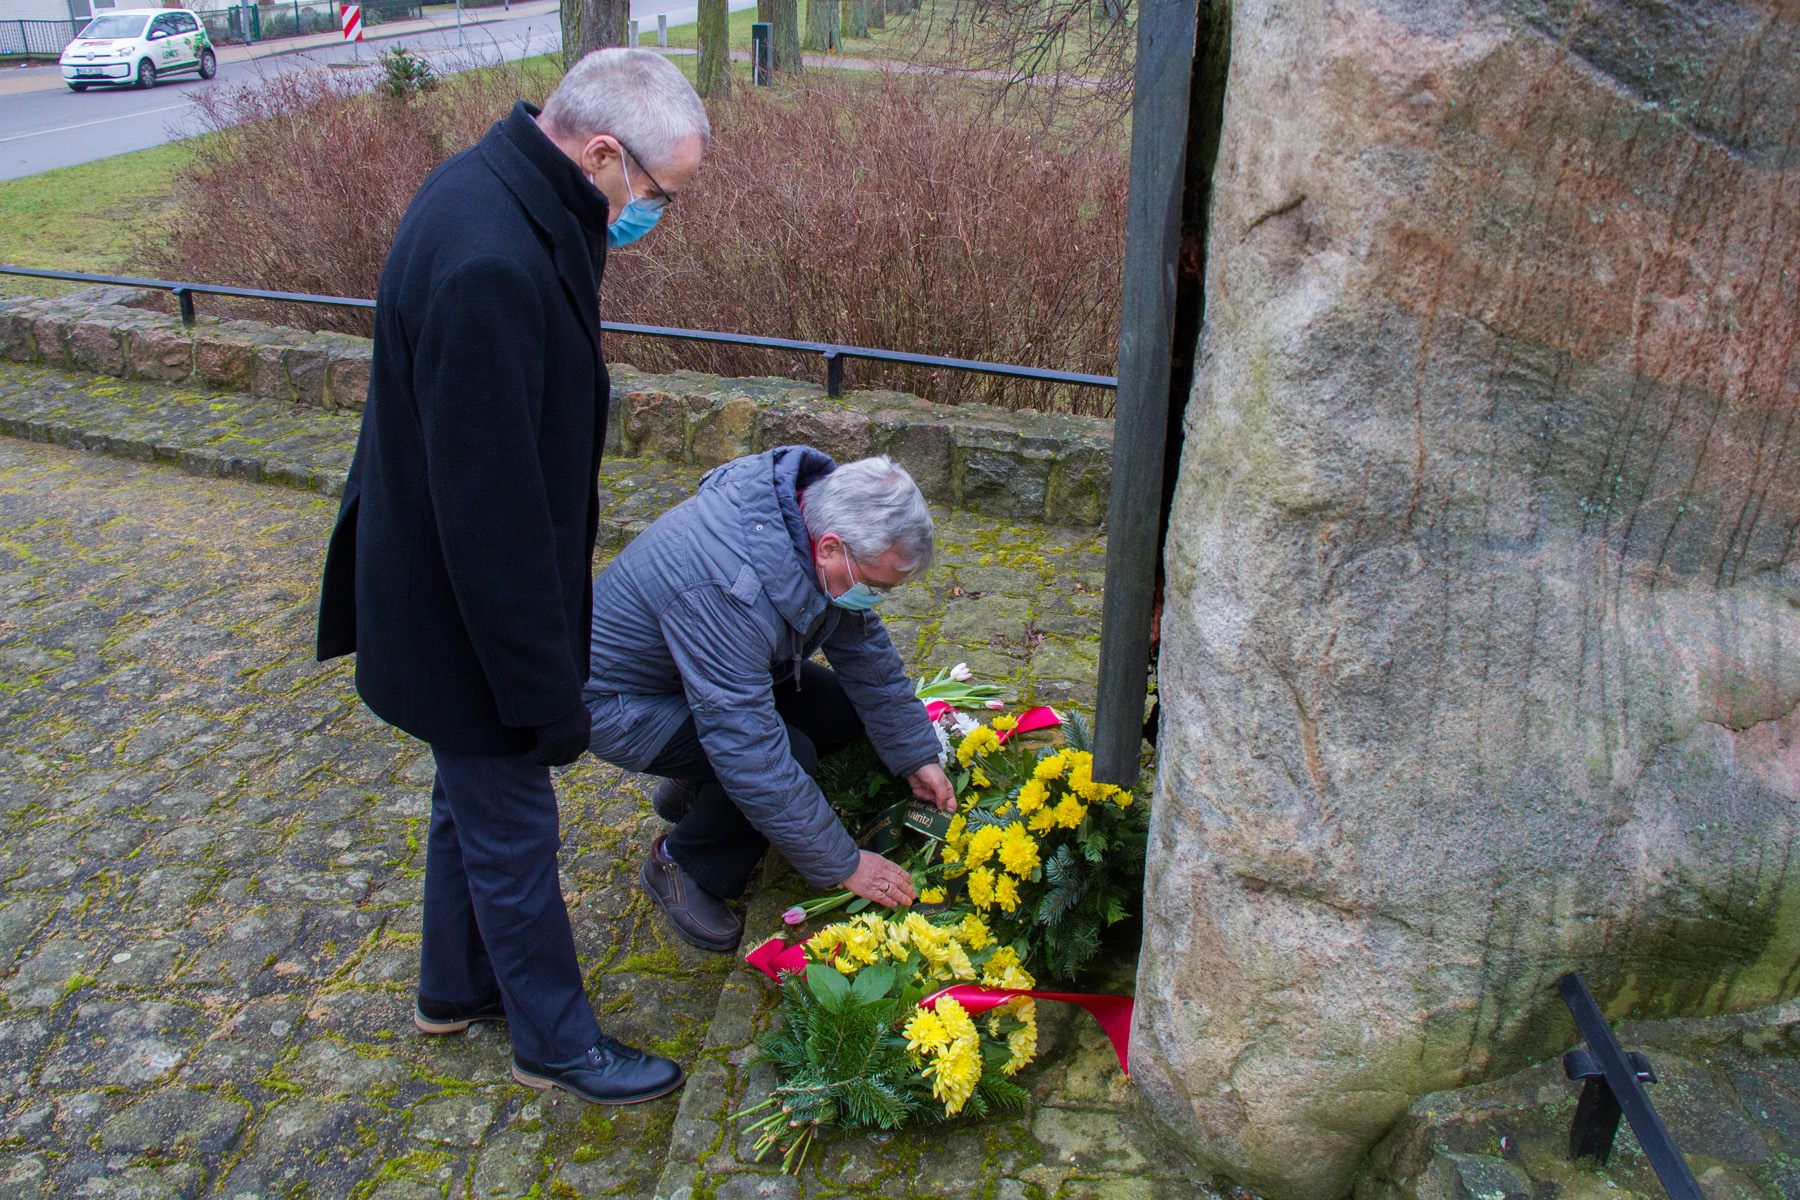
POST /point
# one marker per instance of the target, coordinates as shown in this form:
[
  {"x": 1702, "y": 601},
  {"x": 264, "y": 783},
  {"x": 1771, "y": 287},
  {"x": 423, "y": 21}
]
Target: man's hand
[
  {"x": 879, "y": 880},
  {"x": 930, "y": 783}
]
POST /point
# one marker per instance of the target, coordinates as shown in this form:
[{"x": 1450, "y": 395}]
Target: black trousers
[
  {"x": 494, "y": 921},
  {"x": 715, "y": 843}
]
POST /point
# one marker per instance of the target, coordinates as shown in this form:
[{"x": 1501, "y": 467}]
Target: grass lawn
[{"x": 91, "y": 217}]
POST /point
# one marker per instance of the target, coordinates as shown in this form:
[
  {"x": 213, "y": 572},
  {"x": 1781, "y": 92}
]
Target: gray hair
[
  {"x": 874, "y": 506},
  {"x": 637, "y": 96}
]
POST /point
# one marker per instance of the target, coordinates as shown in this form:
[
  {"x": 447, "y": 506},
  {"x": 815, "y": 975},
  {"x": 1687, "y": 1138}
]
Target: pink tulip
[
  {"x": 794, "y": 915},
  {"x": 996, "y": 704}
]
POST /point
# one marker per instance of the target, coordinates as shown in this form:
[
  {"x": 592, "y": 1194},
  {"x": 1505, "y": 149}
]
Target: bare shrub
[{"x": 881, "y": 211}]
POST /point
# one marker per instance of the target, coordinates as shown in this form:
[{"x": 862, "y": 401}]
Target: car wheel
[
  {"x": 146, "y": 76},
  {"x": 209, "y": 64},
  {"x": 78, "y": 87}
]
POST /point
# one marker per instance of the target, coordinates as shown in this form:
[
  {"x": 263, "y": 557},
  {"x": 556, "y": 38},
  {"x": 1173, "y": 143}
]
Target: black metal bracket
[
  {"x": 834, "y": 374},
  {"x": 1597, "y": 1113},
  {"x": 1614, "y": 1086},
  {"x": 184, "y": 298}
]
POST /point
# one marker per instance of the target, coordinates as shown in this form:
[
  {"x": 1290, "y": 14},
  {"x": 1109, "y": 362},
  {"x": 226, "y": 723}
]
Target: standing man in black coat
[{"x": 460, "y": 572}]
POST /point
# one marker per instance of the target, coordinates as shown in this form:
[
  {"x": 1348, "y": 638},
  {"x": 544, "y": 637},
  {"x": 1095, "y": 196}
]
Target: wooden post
[
  {"x": 712, "y": 75},
  {"x": 1159, "y": 132}
]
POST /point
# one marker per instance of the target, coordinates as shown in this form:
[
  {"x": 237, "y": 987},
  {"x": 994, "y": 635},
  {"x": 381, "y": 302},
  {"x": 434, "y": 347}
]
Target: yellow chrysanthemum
[
  {"x": 1006, "y": 893},
  {"x": 958, "y": 966},
  {"x": 1006, "y": 723},
  {"x": 979, "y": 778},
  {"x": 1043, "y": 820},
  {"x": 932, "y": 896},
  {"x": 981, "y": 740},
  {"x": 1021, "y": 1045},
  {"x": 974, "y": 932},
  {"x": 1122, "y": 798},
  {"x": 925, "y": 1031},
  {"x": 1050, "y": 768},
  {"x": 1069, "y": 812},
  {"x": 1018, "y": 850},
  {"x": 1032, "y": 796},
  {"x": 981, "y": 887},
  {"x": 955, "y": 1072},
  {"x": 982, "y": 844}
]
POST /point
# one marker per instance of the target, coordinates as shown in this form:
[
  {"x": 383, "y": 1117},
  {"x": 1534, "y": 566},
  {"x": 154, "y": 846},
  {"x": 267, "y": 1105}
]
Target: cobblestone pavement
[{"x": 208, "y": 921}]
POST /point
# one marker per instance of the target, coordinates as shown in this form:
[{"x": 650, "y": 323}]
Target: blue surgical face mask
[
  {"x": 859, "y": 597},
  {"x": 637, "y": 217}
]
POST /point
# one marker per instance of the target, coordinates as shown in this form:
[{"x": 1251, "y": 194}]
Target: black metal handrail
[
  {"x": 1614, "y": 1084},
  {"x": 833, "y": 353}
]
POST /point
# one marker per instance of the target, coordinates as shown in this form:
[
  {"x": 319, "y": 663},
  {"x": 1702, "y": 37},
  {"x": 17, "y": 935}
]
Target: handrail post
[
  {"x": 834, "y": 374},
  {"x": 185, "y": 299}
]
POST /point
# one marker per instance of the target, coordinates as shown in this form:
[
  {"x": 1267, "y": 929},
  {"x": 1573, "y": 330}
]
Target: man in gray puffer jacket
[{"x": 700, "y": 672}]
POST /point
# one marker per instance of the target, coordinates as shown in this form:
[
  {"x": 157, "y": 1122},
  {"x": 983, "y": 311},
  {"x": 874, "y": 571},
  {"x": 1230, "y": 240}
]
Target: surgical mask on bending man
[
  {"x": 859, "y": 596},
  {"x": 638, "y": 217}
]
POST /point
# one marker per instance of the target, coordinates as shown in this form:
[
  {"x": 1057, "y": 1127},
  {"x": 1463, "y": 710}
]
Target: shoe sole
[
  {"x": 425, "y": 1024},
  {"x": 684, "y": 935},
  {"x": 543, "y": 1084}
]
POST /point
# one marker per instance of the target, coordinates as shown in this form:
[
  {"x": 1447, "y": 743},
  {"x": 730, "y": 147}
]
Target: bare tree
[
  {"x": 822, "y": 30},
  {"x": 589, "y": 25},
  {"x": 712, "y": 75},
  {"x": 783, "y": 17},
  {"x": 1080, "y": 51},
  {"x": 855, "y": 17}
]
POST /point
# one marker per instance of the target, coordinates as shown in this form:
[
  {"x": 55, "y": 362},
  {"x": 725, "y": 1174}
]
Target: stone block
[
  {"x": 269, "y": 371},
  {"x": 50, "y": 333},
  {"x": 921, "y": 444},
  {"x": 844, "y": 433},
  {"x": 726, "y": 432},
  {"x": 160, "y": 351},
  {"x": 175, "y": 1120},
  {"x": 1080, "y": 483},
  {"x": 307, "y": 368},
  {"x": 16, "y": 339},
  {"x": 347, "y": 377},
  {"x": 653, "y": 425},
  {"x": 224, "y": 360},
  {"x": 1091, "y": 1140},
  {"x": 998, "y": 475}
]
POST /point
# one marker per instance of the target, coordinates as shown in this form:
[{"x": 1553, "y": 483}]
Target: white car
[{"x": 136, "y": 47}]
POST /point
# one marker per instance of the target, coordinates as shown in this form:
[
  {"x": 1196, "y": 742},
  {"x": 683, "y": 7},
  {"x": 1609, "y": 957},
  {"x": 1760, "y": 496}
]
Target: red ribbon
[
  {"x": 1113, "y": 1012},
  {"x": 1033, "y": 719}
]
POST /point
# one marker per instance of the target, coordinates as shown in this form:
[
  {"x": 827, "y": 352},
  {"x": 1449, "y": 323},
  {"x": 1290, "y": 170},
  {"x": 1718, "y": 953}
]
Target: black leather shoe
[
  {"x": 672, "y": 800},
  {"x": 609, "y": 1073},
  {"x": 701, "y": 918},
  {"x": 436, "y": 1016}
]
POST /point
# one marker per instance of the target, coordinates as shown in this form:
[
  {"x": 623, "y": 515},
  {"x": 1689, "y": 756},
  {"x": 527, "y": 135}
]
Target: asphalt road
[{"x": 54, "y": 127}]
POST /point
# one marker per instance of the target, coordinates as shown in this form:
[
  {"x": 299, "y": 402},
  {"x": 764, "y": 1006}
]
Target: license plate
[{"x": 90, "y": 70}]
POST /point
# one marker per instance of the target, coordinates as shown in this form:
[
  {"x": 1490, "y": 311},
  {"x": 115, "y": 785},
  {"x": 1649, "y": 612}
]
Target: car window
[
  {"x": 114, "y": 27},
  {"x": 185, "y": 23},
  {"x": 165, "y": 24}
]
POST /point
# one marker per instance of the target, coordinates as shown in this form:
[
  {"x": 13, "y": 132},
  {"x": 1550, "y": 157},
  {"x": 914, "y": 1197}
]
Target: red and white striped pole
[{"x": 351, "y": 20}]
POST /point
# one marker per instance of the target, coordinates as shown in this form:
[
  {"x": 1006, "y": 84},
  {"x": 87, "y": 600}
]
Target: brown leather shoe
[
  {"x": 672, "y": 800},
  {"x": 701, "y": 918}
]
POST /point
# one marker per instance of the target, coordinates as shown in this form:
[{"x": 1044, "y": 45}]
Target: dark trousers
[
  {"x": 494, "y": 917},
  {"x": 715, "y": 843}
]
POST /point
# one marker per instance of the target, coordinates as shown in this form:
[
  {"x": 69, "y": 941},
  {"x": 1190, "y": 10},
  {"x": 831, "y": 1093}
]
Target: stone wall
[{"x": 1018, "y": 465}]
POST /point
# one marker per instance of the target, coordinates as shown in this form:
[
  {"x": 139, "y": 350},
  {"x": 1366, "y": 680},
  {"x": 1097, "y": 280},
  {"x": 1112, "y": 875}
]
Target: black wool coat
[{"x": 460, "y": 571}]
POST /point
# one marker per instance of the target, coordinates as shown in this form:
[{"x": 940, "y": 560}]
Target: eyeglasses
[
  {"x": 663, "y": 197},
  {"x": 850, "y": 561}
]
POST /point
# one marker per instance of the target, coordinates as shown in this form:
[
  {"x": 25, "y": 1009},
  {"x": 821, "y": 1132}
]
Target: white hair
[
  {"x": 874, "y": 506},
  {"x": 637, "y": 96}
]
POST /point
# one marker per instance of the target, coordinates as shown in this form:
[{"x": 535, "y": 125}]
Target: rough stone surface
[{"x": 1479, "y": 660}]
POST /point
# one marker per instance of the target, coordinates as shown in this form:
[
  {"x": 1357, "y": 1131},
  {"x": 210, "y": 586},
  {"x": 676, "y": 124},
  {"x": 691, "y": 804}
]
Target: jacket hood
[{"x": 765, "y": 491}]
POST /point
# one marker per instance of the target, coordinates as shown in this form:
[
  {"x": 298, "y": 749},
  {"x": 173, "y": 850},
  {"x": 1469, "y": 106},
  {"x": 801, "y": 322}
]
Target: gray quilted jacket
[{"x": 702, "y": 612}]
